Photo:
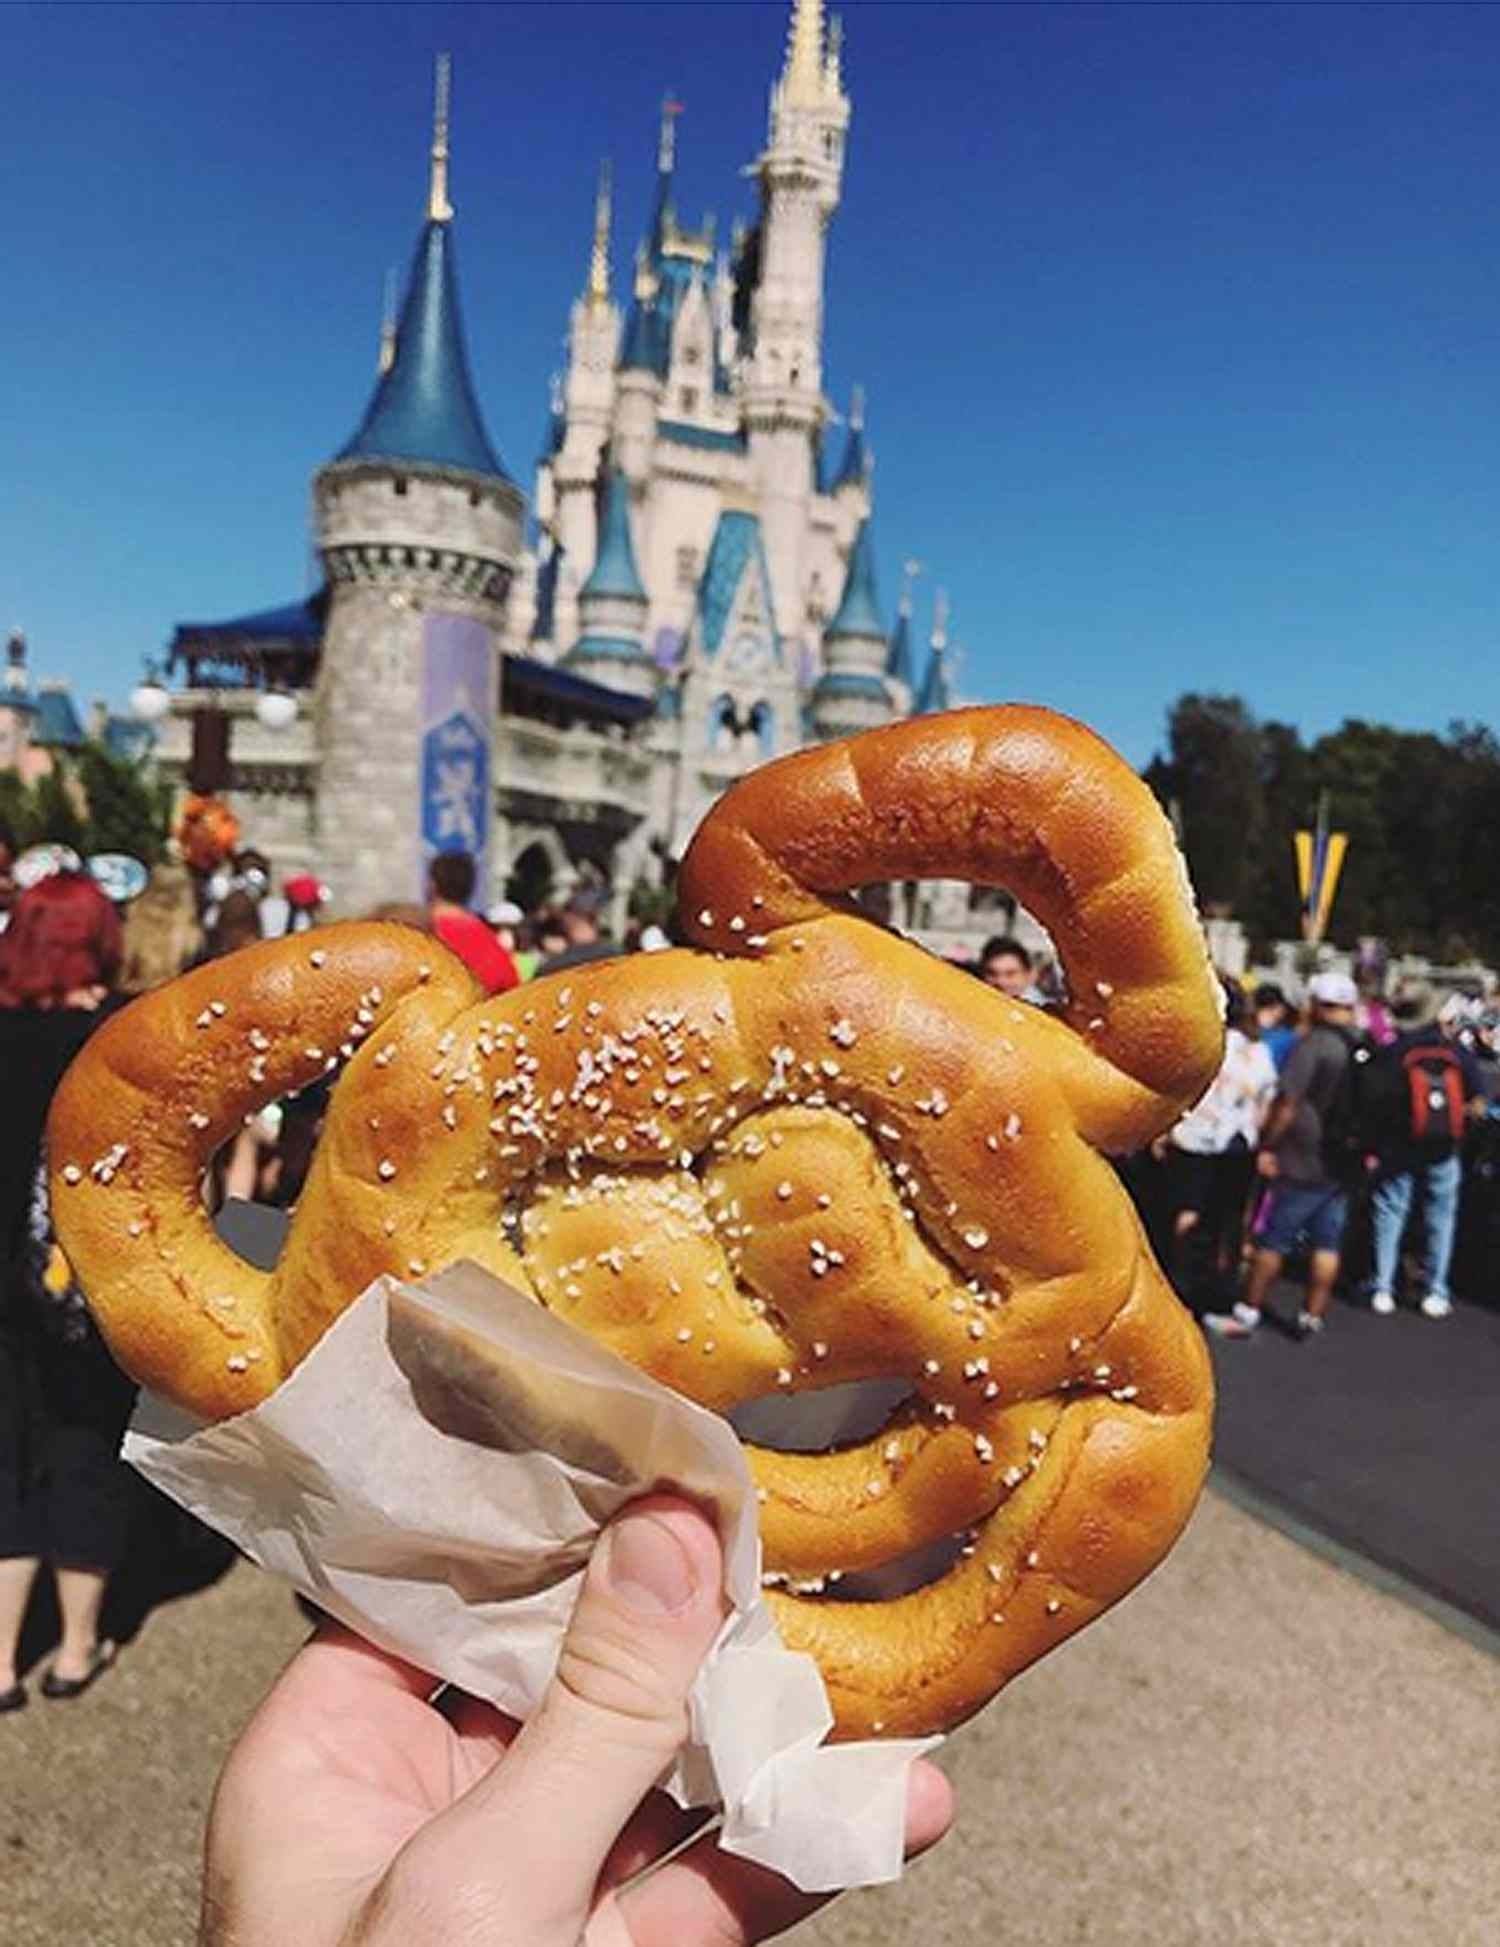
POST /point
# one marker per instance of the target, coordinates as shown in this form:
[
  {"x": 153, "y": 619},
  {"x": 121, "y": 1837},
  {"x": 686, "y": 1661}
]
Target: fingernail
[{"x": 647, "y": 1567}]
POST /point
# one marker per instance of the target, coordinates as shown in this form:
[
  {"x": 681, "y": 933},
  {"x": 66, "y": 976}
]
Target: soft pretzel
[{"x": 804, "y": 1153}]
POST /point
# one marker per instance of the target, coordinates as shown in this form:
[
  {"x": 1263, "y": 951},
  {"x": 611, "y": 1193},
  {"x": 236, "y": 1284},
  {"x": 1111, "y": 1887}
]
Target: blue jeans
[{"x": 1390, "y": 1206}]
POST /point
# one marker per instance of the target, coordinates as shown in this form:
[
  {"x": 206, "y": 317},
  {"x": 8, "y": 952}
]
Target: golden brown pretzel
[{"x": 813, "y": 1155}]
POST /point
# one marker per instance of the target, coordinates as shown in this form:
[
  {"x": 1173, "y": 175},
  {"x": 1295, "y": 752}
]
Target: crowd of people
[
  {"x": 1357, "y": 1145},
  {"x": 1321, "y": 1139}
]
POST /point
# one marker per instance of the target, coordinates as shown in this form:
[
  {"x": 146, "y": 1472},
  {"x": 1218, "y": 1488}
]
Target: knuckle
[{"x": 606, "y": 1667}]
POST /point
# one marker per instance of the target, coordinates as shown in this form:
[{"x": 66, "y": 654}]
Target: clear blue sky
[{"x": 1178, "y": 323}]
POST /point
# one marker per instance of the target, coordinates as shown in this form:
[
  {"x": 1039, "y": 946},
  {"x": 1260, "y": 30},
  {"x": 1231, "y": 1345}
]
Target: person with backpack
[
  {"x": 1301, "y": 1158},
  {"x": 1417, "y": 1098}
]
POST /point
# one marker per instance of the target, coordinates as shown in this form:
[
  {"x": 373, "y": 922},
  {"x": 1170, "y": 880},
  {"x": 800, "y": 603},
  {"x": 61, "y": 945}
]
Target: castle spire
[
  {"x": 898, "y": 662},
  {"x": 854, "y": 468},
  {"x": 598, "y": 290},
  {"x": 833, "y": 67},
  {"x": 936, "y": 693},
  {"x": 666, "y": 142},
  {"x": 859, "y": 611},
  {"x": 423, "y": 411},
  {"x": 663, "y": 217},
  {"x": 439, "y": 209},
  {"x": 802, "y": 77},
  {"x": 387, "y": 357}
]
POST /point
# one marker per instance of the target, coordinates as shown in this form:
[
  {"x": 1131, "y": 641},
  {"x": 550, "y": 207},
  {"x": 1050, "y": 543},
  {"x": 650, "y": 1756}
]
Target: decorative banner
[
  {"x": 1320, "y": 860},
  {"x": 457, "y": 707}
]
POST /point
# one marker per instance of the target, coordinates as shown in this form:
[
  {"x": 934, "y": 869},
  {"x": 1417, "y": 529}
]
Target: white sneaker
[
  {"x": 1309, "y": 1324},
  {"x": 1382, "y": 1304},
  {"x": 1434, "y": 1305},
  {"x": 1238, "y": 1324}
]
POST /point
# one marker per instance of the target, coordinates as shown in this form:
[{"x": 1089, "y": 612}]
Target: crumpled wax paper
[{"x": 435, "y": 1474}]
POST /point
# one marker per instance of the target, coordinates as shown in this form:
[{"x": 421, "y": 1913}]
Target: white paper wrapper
[{"x": 435, "y": 1474}]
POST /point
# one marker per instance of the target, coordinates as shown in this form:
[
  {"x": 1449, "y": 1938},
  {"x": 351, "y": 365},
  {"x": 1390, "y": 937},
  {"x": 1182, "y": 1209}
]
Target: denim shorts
[{"x": 1302, "y": 1213}]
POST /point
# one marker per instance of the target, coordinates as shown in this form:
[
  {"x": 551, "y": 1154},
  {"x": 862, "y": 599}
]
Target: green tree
[
  {"x": 1272, "y": 907},
  {"x": 128, "y": 808},
  {"x": 1213, "y": 772},
  {"x": 56, "y": 819}
]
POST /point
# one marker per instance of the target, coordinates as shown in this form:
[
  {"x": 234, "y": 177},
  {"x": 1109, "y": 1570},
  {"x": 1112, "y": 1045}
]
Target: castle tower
[
  {"x": 900, "y": 670},
  {"x": 419, "y": 527},
  {"x": 800, "y": 175},
  {"x": 851, "y": 693},
  {"x": 588, "y": 396},
  {"x": 17, "y": 708},
  {"x": 612, "y": 604},
  {"x": 936, "y": 692},
  {"x": 643, "y": 362},
  {"x": 851, "y": 484}
]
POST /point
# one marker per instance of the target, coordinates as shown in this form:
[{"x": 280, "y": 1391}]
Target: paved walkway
[
  {"x": 1382, "y": 1434},
  {"x": 1256, "y": 1750}
]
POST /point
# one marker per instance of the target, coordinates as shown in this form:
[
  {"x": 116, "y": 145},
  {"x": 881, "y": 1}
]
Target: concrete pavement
[{"x": 1256, "y": 1750}]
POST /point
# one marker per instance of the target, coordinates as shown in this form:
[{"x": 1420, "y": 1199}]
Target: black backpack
[
  {"x": 1414, "y": 1098},
  {"x": 1344, "y": 1114}
]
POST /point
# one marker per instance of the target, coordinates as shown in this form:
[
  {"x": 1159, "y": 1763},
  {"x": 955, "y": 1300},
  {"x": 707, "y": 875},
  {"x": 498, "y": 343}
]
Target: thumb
[{"x": 612, "y": 1719}]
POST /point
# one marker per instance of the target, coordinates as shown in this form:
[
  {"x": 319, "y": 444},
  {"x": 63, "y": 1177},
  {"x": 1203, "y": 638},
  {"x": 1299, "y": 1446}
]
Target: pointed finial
[
  {"x": 555, "y": 394},
  {"x": 598, "y": 292},
  {"x": 857, "y": 409},
  {"x": 645, "y": 283},
  {"x": 833, "y": 67},
  {"x": 910, "y": 569},
  {"x": 802, "y": 72},
  {"x": 940, "y": 622},
  {"x": 439, "y": 209},
  {"x": 666, "y": 147},
  {"x": 387, "y": 356}
]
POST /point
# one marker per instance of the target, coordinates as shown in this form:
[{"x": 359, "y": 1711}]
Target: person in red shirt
[{"x": 450, "y": 880}]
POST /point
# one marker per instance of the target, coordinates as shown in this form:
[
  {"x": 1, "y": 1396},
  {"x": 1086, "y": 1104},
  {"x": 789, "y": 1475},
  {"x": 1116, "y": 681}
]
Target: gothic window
[
  {"x": 763, "y": 728},
  {"x": 723, "y": 725},
  {"x": 691, "y": 355},
  {"x": 688, "y": 397},
  {"x": 687, "y": 567},
  {"x": 831, "y": 144}
]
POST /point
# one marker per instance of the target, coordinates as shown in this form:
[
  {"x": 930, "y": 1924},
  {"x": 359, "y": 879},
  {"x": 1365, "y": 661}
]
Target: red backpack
[{"x": 1434, "y": 1098}]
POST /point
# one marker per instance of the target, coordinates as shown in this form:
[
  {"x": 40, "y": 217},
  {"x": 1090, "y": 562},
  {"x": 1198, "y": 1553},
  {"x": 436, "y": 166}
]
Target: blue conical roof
[
  {"x": 935, "y": 694},
  {"x": 424, "y": 409},
  {"x": 854, "y": 468},
  {"x": 614, "y": 571},
  {"x": 859, "y": 611},
  {"x": 898, "y": 662}
]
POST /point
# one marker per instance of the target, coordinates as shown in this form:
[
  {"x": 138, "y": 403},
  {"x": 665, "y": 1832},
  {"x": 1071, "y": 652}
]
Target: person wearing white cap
[{"x": 1307, "y": 1198}]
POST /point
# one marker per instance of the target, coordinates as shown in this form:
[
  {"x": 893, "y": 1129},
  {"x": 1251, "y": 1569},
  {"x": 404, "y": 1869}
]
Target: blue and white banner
[{"x": 457, "y": 710}]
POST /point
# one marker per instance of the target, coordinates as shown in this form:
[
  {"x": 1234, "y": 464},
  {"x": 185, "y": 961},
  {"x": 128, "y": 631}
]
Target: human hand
[{"x": 354, "y": 1813}]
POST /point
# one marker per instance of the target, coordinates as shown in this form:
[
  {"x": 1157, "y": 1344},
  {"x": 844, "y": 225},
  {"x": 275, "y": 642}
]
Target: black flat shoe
[
  {"x": 13, "y": 1699},
  {"x": 59, "y": 1689}
]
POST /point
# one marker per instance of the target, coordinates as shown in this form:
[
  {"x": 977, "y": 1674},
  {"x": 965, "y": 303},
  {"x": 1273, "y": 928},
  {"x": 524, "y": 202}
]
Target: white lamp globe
[
  {"x": 276, "y": 709},
  {"x": 149, "y": 701}
]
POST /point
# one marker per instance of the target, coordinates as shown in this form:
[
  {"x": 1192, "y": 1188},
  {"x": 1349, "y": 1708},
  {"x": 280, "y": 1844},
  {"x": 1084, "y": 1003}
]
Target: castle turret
[
  {"x": 936, "y": 692},
  {"x": 18, "y": 707},
  {"x": 851, "y": 694},
  {"x": 800, "y": 175},
  {"x": 612, "y": 604},
  {"x": 900, "y": 668},
  {"x": 588, "y": 397},
  {"x": 419, "y": 527}
]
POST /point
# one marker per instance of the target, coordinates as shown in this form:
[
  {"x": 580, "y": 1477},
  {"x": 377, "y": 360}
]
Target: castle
[{"x": 699, "y": 592}]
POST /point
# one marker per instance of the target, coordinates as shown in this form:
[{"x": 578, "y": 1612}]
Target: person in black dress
[{"x": 64, "y": 1494}]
